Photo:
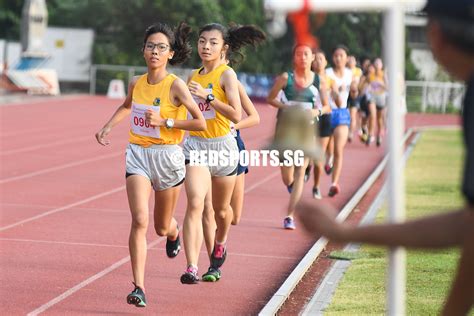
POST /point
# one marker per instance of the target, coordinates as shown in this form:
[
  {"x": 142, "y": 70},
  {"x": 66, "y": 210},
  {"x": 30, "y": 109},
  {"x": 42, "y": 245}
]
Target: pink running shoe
[{"x": 333, "y": 190}]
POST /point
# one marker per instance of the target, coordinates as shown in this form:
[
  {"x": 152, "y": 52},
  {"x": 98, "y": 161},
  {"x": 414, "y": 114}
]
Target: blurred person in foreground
[{"x": 450, "y": 32}]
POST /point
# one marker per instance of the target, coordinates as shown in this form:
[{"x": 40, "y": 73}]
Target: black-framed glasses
[{"x": 149, "y": 46}]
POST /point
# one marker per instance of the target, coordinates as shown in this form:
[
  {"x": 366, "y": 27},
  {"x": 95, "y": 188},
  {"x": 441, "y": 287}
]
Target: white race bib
[
  {"x": 303, "y": 105},
  {"x": 207, "y": 110},
  {"x": 233, "y": 131},
  {"x": 138, "y": 123}
]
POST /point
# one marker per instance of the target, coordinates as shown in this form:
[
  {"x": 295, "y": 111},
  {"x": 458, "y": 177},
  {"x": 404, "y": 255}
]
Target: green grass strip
[{"x": 433, "y": 177}]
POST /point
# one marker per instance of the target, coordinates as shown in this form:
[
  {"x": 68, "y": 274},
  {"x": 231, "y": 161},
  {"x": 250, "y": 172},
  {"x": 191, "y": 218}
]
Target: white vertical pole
[
  {"x": 395, "y": 59},
  {"x": 92, "y": 79}
]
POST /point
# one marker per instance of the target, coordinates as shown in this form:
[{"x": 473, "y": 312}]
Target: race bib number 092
[{"x": 207, "y": 110}]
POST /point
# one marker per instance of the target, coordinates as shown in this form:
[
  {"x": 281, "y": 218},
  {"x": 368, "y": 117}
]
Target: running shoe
[
  {"x": 307, "y": 173},
  {"x": 137, "y": 297},
  {"x": 370, "y": 140},
  {"x": 328, "y": 168},
  {"x": 218, "y": 255},
  {"x": 363, "y": 135},
  {"x": 317, "y": 194},
  {"x": 173, "y": 247},
  {"x": 290, "y": 188},
  {"x": 333, "y": 190},
  {"x": 190, "y": 276},
  {"x": 289, "y": 223},
  {"x": 212, "y": 275},
  {"x": 379, "y": 141}
]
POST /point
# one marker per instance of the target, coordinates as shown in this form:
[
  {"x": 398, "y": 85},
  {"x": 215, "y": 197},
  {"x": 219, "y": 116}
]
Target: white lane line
[
  {"x": 76, "y": 288},
  {"x": 32, "y": 131},
  {"x": 125, "y": 211},
  {"x": 48, "y": 130},
  {"x": 62, "y": 243},
  {"x": 54, "y": 242},
  {"x": 47, "y": 100},
  {"x": 60, "y": 167},
  {"x": 86, "y": 282},
  {"x": 324, "y": 293},
  {"x": 46, "y": 145},
  {"x": 63, "y": 208},
  {"x": 93, "y": 209},
  {"x": 255, "y": 185},
  {"x": 282, "y": 294}
]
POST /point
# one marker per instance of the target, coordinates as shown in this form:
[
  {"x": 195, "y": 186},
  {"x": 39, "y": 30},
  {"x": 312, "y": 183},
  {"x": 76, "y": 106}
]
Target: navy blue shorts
[
  {"x": 324, "y": 125},
  {"x": 240, "y": 144},
  {"x": 353, "y": 102}
]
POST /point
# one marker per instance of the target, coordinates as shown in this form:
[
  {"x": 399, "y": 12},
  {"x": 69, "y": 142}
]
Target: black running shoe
[
  {"x": 137, "y": 297},
  {"x": 307, "y": 173},
  {"x": 190, "y": 276},
  {"x": 379, "y": 141},
  {"x": 212, "y": 275},
  {"x": 173, "y": 247},
  {"x": 219, "y": 253}
]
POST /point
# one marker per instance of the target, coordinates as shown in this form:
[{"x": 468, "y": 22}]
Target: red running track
[{"x": 65, "y": 221}]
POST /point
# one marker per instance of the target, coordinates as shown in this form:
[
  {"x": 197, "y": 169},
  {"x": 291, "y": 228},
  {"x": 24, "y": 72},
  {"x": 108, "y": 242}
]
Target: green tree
[
  {"x": 119, "y": 27},
  {"x": 10, "y": 19},
  {"x": 359, "y": 32}
]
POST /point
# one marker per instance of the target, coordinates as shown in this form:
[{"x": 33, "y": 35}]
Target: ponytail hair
[
  {"x": 237, "y": 36},
  {"x": 178, "y": 39}
]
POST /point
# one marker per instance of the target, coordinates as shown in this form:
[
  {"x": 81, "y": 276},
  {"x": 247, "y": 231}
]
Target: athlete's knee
[
  {"x": 222, "y": 212},
  {"x": 161, "y": 230},
  {"x": 196, "y": 204},
  {"x": 140, "y": 221}
]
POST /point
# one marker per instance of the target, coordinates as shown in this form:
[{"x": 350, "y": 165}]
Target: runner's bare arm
[
  {"x": 253, "y": 118},
  {"x": 461, "y": 297},
  {"x": 181, "y": 96},
  {"x": 280, "y": 83},
  {"x": 438, "y": 231},
  {"x": 122, "y": 111},
  {"x": 324, "y": 95},
  {"x": 228, "y": 81}
]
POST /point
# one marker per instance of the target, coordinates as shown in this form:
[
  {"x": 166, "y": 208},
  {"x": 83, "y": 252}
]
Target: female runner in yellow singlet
[
  {"x": 156, "y": 103},
  {"x": 215, "y": 88}
]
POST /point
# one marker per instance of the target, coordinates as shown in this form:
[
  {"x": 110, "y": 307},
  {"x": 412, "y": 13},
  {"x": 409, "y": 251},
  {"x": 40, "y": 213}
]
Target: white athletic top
[{"x": 343, "y": 83}]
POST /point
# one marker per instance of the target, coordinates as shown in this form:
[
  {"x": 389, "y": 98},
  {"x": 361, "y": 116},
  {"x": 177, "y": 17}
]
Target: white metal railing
[
  {"x": 124, "y": 72},
  {"x": 433, "y": 96},
  {"x": 421, "y": 96}
]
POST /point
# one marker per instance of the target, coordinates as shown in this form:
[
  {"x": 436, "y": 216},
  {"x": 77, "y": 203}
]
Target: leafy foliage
[{"x": 119, "y": 27}]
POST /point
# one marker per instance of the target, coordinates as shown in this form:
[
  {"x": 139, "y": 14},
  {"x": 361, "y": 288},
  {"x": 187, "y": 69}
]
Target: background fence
[
  {"x": 421, "y": 96},
  {"x": 434, "y": 97}
]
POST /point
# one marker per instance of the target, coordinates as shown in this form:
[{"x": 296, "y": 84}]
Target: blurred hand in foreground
[{"x": 319, "y": 218}]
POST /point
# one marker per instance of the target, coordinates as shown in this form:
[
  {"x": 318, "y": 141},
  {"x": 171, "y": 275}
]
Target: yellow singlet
[
  {"x": 379, "y": 77},
  {"x": 357, "y": 72},
  {"x": 156, "y": 97},
  {"x": 217, "y": 124}
]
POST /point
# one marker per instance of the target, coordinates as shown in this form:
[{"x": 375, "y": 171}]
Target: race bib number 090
[{"x": 138, "y": 122}]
